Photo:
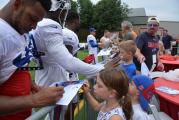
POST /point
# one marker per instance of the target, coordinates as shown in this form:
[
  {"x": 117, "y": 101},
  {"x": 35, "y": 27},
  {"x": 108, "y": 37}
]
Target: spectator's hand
[
  {"x": 35, "y": 88},
  {"x": 141, "y": 58},
  {"x": 113, "y": 62},
  {"x": 170, "y": 49},
  {"x": 160, "y": 66},
  {"x": 86, "y": 86},
  {"x": 47, "y": 96}
]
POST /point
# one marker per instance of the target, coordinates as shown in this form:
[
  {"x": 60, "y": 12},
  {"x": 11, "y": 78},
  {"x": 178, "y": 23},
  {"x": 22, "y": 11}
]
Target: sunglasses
[{"x": 154, "y": 25}]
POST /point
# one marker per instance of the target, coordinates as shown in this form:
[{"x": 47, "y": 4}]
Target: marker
[
  {"x": 114, "y": 55},
  {"x": 61, "y": 84}
]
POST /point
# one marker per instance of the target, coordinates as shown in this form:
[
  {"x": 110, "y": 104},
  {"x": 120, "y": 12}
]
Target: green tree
[
  {"x": 108, "y": 14},
  {"x": 74, "y": 6},
  {"x": 86, "y": 16},
  {"x": 86, "y": 13}
]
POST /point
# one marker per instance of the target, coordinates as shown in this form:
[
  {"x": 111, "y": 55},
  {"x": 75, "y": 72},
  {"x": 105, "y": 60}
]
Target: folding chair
[{"x": 158, "y": 115}]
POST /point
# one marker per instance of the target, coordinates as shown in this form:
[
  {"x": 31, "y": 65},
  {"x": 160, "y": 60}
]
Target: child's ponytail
[{"x": 126, "y": 104}]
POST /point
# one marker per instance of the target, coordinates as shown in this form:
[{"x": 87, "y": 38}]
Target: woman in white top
[{"x": 112, "y": 87}]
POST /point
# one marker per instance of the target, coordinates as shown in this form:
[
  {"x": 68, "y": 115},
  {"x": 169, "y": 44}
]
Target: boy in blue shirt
[{"x": 127, "y": 51}]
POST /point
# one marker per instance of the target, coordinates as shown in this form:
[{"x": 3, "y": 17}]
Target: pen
[{"x": 56, "y": 85}]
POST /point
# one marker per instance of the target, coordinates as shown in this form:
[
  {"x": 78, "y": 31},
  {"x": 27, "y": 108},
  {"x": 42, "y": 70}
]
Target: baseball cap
[
  {"x": 145, "y": 86},
  {"x": 153, "y": 19},
  {"x": 57, "y": 4},
  {"x": 89, "y": 59},
  {"x": 92, "y": 30}
]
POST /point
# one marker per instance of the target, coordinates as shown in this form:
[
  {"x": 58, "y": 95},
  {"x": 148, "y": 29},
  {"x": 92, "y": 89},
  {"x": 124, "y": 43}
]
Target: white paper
[
  {"x": 172, "y": 75},
  {"x": 168, "y": 90},
  {"x": 71, "y": 88},
  {"x": 145, "y": 70},
  {"x": 104, "y": 52},
  {"x": 157, "y": 74}
]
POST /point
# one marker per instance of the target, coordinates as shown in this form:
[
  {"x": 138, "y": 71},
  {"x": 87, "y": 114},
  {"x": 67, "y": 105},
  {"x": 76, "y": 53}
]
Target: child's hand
[{"x": 86, "y": 86}]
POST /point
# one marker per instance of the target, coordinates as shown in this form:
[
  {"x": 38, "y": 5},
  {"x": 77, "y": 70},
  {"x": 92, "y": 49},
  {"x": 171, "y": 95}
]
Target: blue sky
[{"x": 165, "y": 10}]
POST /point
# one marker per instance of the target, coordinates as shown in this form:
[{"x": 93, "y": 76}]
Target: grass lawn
[{"x": 81, "y": 55}]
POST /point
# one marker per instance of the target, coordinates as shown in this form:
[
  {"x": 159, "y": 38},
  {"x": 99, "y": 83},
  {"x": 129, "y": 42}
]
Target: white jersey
[
  {"x": 92, "y": 50},
  {"x": 139, "y": 114},
  {"x": 49, "y": 39},
  {"x": 108, "y": 115},
  {"x": 11, "y": 45},
  {"x": 70, "y": 38}
]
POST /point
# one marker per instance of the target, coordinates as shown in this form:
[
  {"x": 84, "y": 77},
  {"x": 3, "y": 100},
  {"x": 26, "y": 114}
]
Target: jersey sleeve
[
  {"x": 58, "y": 51},
  {"x": 1, "y": 49},
  {"x": 93, "y": 44}
]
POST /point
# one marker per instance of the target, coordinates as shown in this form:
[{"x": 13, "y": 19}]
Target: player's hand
[
  {"x": 35, "y": 88},
  {"x": 47, "y": 96},
  {"x": 113, "y": 62}
]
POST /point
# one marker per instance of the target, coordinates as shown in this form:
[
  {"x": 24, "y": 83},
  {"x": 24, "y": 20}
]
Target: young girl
[{"x": 112, "y": 87}]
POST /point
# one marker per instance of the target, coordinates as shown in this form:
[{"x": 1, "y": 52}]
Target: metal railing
[{"x": 83, "y": 111}]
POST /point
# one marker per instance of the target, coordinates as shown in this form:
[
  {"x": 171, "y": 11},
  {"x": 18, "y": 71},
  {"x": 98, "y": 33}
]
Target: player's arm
[
  {"x": 42, "y": 98},
  {"x": 58, "y": 51}
]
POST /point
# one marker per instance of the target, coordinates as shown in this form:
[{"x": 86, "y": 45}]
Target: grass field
[{"x": 82, "y": 54}]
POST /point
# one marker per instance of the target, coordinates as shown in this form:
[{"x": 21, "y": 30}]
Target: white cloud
[
  {"x": 164, "y": 9},
  {"x": 3, "y": 2},
  {"x": 95, "y": 1}
]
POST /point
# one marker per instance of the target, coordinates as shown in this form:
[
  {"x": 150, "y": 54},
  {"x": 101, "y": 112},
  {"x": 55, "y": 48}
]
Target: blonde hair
[{"x": 128, "y": 46}]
